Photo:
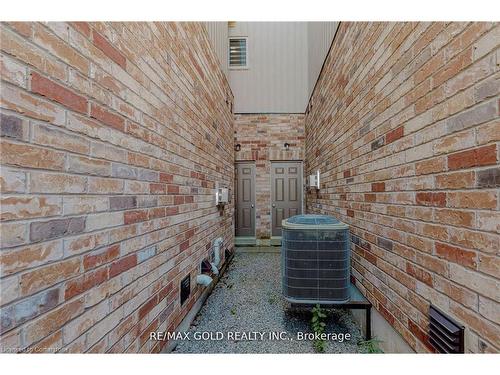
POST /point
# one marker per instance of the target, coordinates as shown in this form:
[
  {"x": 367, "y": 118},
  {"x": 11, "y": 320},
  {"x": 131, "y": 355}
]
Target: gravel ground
[{"x": 248, "y": 299}]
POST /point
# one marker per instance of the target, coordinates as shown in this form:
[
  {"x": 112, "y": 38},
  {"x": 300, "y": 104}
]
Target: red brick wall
[
  {"x": 404, "y": 127},
  {"x": 113, "y": 136},
  {"x": 262, "y": 138}
]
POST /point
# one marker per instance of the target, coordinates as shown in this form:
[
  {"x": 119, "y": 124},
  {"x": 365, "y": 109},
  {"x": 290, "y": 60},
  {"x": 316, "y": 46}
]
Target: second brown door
[{"x": 286, "y": 192}]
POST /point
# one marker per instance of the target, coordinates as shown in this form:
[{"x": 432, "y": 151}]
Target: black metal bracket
[
  {"x": 348, "y": 306},
  {"x": 357, "y": 302}
]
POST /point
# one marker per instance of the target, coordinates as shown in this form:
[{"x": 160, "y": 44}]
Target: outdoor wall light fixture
[
  {"x": 237, "y": 147},
  {"x": 287, "y": 146}
]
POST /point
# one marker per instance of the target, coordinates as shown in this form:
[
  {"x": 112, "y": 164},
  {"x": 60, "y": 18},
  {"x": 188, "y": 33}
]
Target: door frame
[
  {"x": 254, "y": 176},
  {"x": 301, "y": 166}
]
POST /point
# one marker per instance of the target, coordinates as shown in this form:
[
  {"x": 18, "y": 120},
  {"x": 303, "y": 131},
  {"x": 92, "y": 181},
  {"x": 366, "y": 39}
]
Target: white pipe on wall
[{"x": 217, "y": 246}]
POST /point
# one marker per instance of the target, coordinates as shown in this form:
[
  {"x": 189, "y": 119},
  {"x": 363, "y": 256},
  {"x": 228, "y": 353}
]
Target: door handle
[{"x": 252, "y": 206}]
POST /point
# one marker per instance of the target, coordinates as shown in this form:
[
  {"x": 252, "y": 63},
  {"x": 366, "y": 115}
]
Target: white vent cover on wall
[
  {"x": 238, "y": 53},
  {"x": 313, "y": 181}
]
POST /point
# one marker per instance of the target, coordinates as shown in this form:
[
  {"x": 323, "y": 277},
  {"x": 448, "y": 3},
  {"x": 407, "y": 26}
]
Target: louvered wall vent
[
  {"x": 445, "y": 334},
  {"x": 185, "y": 288},
  {"x": 238, "y": 53}
]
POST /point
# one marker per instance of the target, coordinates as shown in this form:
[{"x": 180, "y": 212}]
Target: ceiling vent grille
[
  {"x": 445, "y": 334},
  {"x": 238, "y": 56}
]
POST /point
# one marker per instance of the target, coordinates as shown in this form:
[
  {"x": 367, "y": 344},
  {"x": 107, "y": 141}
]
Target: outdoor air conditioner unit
[{"x": 315, "y": 260}]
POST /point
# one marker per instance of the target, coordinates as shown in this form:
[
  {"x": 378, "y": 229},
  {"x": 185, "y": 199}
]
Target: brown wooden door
[
  {"x": 245, "y": 199},
  {"x": 286, "y": 192}
]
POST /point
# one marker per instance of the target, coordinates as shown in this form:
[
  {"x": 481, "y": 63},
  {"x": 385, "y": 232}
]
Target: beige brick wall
[
  {"x": 262, "y": 138},
  {"x": 113, "y": 135},
  {"x": 404, "y": 127}
]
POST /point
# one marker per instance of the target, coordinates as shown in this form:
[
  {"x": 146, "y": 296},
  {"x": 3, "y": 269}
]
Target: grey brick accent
[
  {"x": 11, "y": 126},
  {"x": 22, "y": 311},
  {"x": 384, "y": 243},
  {"x": 482, "y": 113},
  {"x": 488, "y": 178},
  {"x": 377, "y": 144},
  {"x": 122, "y": 202},
  {"x": 40, "y": 231},
  {"x": 123, "y": 171},
  {"x": 147, "y": 175},
  {"x": 147, "y": 201}
]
